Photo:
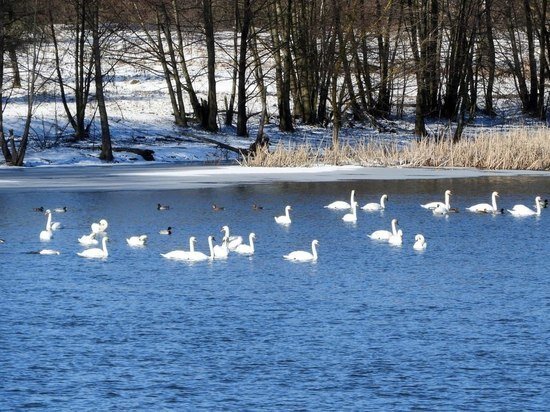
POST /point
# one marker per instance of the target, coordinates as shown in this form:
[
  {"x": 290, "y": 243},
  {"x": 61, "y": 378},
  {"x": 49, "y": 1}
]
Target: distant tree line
[{"x": 323, "y": 59}]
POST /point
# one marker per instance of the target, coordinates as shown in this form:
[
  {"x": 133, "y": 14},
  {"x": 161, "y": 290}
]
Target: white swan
[
  {"x": 302, "y": 255},
  {"x": 47, "y": 234},
  {"x": 137, "y": 240},
  {"x": 420, "y": 242},
  {"x": 522, "y": 210},
  {"x": 434, "y": 205},
  {"x": 397, "y": 239},
  {"x": 441, "y": 210},
  {"x": 385, "y": 234},
  {"x": 100, "y": 227},
  {"x": 96, "y": 252},
  {"x": 181, "y": 254},
  {"x": 351, "y": 217},
  {"x": 486, "y": 207},
  {"x": 244, "y": 249},
  {"x": 375, "y": 207},
  {"x": 199, "y": 256},
  {"x": 222, "y": 251},
  {"x": 88, "y": 240},
  {"x": 340, "y": 204},
  {"x": 284, "y": 219},
  {"x": 232, "y": 241}
]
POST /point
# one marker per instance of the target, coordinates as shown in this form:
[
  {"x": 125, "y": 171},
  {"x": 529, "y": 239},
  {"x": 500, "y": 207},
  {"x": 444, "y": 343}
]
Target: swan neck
[
  {"x": 314, "y": 250},
  {"x": 49, "y": 222},
  {"x": 394, "y": 227},
  {"x": 251, "y": 238},
  {"x": 104, "y": 241},
  {"x": 447, "y": 201},
  {"x": 383, "y": 202},
  {"x": 211, "y": 246},
  {"x": 539, "y": 210},
  {"x": 191, "y": 245},
  {"x": 494, "y": 199}
]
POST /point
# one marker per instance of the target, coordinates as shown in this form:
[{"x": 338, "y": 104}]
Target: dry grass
[{"x": 522, "y": 149}]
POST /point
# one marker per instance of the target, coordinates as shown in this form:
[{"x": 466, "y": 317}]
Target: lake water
[{"x": 463, "y": 325}]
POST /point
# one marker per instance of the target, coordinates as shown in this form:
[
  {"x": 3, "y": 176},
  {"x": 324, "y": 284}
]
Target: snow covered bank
[{"x": 166, "y": 177}]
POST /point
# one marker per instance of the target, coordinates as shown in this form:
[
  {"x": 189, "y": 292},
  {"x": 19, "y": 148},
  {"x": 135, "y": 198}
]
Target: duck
[
  {"x": 137, "y": 240},
  {"x": 486, "y": 207},
  {"x": 543, "y": 203},
  {"x": 257, "y": 207},
  {"x": 96, "y": 253},
  {"x": 419, "y": 242},
  {"x": 181, "y": 254},
  {"x": 351, "y": 217},
  {"x": 39, "y": 209},
  {"x": 60, "y": 209},
  {"x": 48, "y": 252},
  {"x": 284, "y": 219},
  {"x": 244, "y": 249},
  {"x": 385, "y": 235},
  {"x": 302, "y": 255},
  {"x": 47, "y": 233},
  {"x": 232, "y": 241},
  {"x": 340, "y": 204},
  {"x": 162, "y": 207},
  {"x": 375, "y": 207},
  {"x": 167, "y": 231},
  {"x": 440, "y": 205},
  {"x": 217, "y": 208},
  {"x": 2, "y": 241},
  {"x": 524, "y": 211},
  {"x": 397, "y": 239}
]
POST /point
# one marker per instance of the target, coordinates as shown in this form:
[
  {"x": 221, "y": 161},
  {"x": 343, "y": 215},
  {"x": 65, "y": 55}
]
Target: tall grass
[{"x": 525, "y": 149}]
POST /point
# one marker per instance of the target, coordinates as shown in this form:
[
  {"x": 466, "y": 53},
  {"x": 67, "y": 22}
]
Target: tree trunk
[
  {"x": 210, "y": 123},
  {"x": 3, "y": 143},
  {"x": 106, "y": 147},
  {"x": 491, "y": 58},
  {"x": 241, "y": 98}
]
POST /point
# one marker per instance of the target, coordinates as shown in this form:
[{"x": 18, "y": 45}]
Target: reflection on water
[{"x": 462, "y": 325}]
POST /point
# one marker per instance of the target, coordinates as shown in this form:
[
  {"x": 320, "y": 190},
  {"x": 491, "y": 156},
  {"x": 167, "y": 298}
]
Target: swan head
[
  {"x": 394, "y": 221},
  {"x": 418, "y": 237},
  {"x": 400, "y": 233},
  {"x": 143, "y": 238},
  {"x": 448, "y": 193},
  {"x": 538, "y": 200},
  {"x": 47, "y": 212},
  {"x": 495, "y": 194},
  {"x": 385, "y": 197},
  {"x": 315, "y": 242},
  {"x": 225, "y": 229},
  {"x": 288, "y": 207},
  {"x": 252, "y": 235},
  {"x": 193, "y": 239}
]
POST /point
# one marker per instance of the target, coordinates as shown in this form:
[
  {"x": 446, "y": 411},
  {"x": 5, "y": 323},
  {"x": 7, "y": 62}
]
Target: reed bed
[{"x": 522, "y": 149}]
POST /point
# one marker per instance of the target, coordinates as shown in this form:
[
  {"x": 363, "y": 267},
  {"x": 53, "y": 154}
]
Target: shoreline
[{"x": 177, "y": 176}]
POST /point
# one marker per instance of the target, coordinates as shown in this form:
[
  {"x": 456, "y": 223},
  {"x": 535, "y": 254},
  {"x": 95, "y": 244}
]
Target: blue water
[{"x": 461, "y": 326}]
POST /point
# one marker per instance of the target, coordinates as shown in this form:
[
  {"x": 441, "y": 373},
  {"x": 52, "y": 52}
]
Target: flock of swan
[{"x": 237, "y": 245}]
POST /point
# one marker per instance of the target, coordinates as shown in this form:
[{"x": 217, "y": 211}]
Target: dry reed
[{"x": 522, "y": 149}]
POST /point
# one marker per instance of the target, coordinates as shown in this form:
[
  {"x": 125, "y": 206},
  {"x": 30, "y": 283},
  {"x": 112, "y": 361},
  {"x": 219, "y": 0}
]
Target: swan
[
  {"x": 284, "y": 219},
  {"x": 221, "y": 251},
  {"x": 434, "y": 205},
  {"x": 232, "y": 241},
  {"x": 96, "y": 252},
  {"x": 485, "y": 207},
  {"x": 351, "y": 217},
  {"x": 137, "y": 240},
  {"x": 181, "y": 254},
  {"x": 522, "y": 210},
  {"x": 420, "y": 242},
  {"x": 198, "y": 256},
  {"x": 441, "y": 210},
  {"x": 100, "y": 227},
  {"x": 167, "y": 231},
  {"x": 397, "y": 239},
  {"x": 53, "y": 225},
  {"x": 375, "y": 207},
  {"x": 385, "y": 234},
  {"x": 244, "y": 249},
  {"x": 302, "y": 255},
  {"x": 47, "y": 234},
  {"x": 88, "y": 240},
  {"x": 340, "y": 204}
]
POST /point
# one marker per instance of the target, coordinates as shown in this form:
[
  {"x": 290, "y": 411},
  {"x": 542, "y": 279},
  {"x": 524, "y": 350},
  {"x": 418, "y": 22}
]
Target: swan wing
[
  {"x": 432, "y": 205},
  {"x": 381, "y": 235},
  {"x": 372, "y": 207},
  {"x": 176, "y": 254},
  {"x": 338, "y": 205},
  {"x": 481, "y": 208},
  {"x": 299, "y": 255}
]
